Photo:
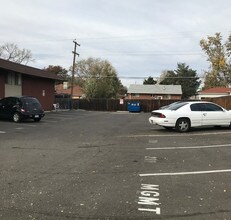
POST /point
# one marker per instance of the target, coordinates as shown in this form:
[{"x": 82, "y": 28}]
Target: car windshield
[{"x": 176, "y": 106}]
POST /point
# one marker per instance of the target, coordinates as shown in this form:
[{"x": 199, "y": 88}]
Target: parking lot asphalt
[{"x": 112, "y": 165}]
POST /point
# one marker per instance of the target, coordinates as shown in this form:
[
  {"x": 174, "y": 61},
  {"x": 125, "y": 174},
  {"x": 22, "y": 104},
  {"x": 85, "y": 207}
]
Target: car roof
[
  {"x": 195, "y": 102},
  {"x": 186, "y": 102}
]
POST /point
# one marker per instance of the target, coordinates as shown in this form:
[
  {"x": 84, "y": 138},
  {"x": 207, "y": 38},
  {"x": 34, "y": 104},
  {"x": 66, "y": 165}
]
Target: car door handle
[{"x": 204, "y": 114}]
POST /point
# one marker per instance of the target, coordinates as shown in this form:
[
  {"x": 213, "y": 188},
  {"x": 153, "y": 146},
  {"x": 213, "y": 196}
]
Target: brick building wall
[
  {"x": 41, "y": 88},
  {"x": 2, "y": 86}
]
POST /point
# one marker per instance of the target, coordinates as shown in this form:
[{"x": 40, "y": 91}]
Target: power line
[
  {"x": 154, "y": 36},
  {"x": 158, "y": 77},
  {"x": 140, "y": 77},
  {"x": 154, "y": 54}
]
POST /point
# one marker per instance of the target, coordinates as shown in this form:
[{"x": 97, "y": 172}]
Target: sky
[{"x": 140, "y": 38}]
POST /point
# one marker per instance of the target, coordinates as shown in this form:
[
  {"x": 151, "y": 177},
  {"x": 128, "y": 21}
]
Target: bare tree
[{"x": 11, "y": 52}]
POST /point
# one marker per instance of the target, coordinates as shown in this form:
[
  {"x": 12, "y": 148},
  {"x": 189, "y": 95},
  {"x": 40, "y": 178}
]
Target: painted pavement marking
[
  {"x": 185, "y": 173},
  {"x": 149, "y": 200},
  {"x": 192, "y": 147},
  {"x": 153, "y": 141},
  {"x": 175, "y": 134},
  {"x": 150, "y": 159}
]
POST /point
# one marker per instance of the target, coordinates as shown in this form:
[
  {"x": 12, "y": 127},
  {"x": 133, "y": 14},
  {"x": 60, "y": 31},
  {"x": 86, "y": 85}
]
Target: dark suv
[{"x": 19, "y": 108}]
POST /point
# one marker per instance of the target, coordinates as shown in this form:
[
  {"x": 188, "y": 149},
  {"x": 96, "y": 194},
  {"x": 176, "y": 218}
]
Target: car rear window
[
  {"x": 177, "y": 106},
  {"x": 30, "y": 103}
]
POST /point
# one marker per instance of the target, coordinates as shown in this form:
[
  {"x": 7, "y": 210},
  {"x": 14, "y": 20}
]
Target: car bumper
[
  {"x": 162, "y": 122},
  {"x": 33, "y": 116}
]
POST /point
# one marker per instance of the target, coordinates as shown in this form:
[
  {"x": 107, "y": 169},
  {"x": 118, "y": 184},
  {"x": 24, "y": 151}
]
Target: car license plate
[{"x": 36, "y": 116}]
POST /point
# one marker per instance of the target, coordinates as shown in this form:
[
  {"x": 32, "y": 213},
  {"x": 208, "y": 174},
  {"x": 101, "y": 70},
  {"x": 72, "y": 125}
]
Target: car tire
[
  {"x": 183, "y": 125},
  {"x": 37, "y": 119},
  {"x": 16, "y": 117}
]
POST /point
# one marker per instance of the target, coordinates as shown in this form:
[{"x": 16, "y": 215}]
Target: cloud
[{"x": 139, "y": 38}]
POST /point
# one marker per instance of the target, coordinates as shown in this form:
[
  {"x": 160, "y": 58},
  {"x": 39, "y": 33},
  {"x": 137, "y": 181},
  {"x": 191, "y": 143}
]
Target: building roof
[
  {"x": 155, "y": 89},
  {"x": 77, "y": 90},
  {"x": 216, "y": 90},
  {"x": 27, "y": 70}
]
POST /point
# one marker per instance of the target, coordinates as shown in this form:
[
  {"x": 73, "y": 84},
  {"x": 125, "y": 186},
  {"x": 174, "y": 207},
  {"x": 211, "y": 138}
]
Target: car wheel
[
  {"x": 37, "y": 119},
  {"x": 182, "y": 125},
  {"x": 16, "y": 117}
]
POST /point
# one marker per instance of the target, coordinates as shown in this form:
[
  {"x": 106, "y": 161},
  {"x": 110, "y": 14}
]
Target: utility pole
[{"x": 73, "y": 68}]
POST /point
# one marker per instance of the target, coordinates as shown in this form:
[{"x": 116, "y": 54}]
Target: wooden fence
[
  {"x": 224, "y": 101},
  {"x": 110, "y": 104},
  {"x": 117, "y": 105}
]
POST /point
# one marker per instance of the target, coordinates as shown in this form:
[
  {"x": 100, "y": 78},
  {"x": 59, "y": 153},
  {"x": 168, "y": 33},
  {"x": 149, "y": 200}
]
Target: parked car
[
  {"x": 185, "y": 115},
  {"x": 20, "y": 108}
]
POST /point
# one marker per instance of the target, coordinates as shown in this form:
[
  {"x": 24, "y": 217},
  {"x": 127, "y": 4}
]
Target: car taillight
[
  {"x": 162, "y": 115},
  {"x": 158, "y": 115}
]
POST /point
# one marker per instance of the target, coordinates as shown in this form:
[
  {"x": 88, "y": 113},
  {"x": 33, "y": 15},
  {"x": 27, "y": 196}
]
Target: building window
[
  {"x": 18, "y": 79},
  {"x": 9, "y": 78},
  {"x": 136, "y": 95},
  {"x": 14, "y": 79},
  {"x": 167, "y": 97}
]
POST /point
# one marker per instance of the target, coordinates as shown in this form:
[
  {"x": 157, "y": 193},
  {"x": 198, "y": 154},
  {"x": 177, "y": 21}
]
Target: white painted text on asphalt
[{"x": 149, "y": 199}]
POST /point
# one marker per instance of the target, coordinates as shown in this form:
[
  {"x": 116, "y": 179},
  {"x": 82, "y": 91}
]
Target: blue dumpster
[{"x": 134, "y": 106}]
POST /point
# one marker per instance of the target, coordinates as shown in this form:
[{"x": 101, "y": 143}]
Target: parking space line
[
  {"x": 185, "y": 173},
  {"x": 176, "y": 134},
  {"x": 2, "y": 132},
  {"x": 192, "y": 147}
]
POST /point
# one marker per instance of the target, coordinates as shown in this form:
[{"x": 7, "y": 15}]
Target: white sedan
[{"x": 184, "y": 115}]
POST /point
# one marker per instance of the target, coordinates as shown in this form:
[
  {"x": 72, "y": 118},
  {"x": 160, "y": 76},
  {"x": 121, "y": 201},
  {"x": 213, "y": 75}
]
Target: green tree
[
  {"x": 149, "y": 81},
  {"x": 12, "y": 52},
  {"x": 167, "y": 78},
  {"x": 218, "y": 55},
  {"x": 99, "y": 78},
  {"x": 58, "y": 70},
  {"x": 185, "y": 77}
]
